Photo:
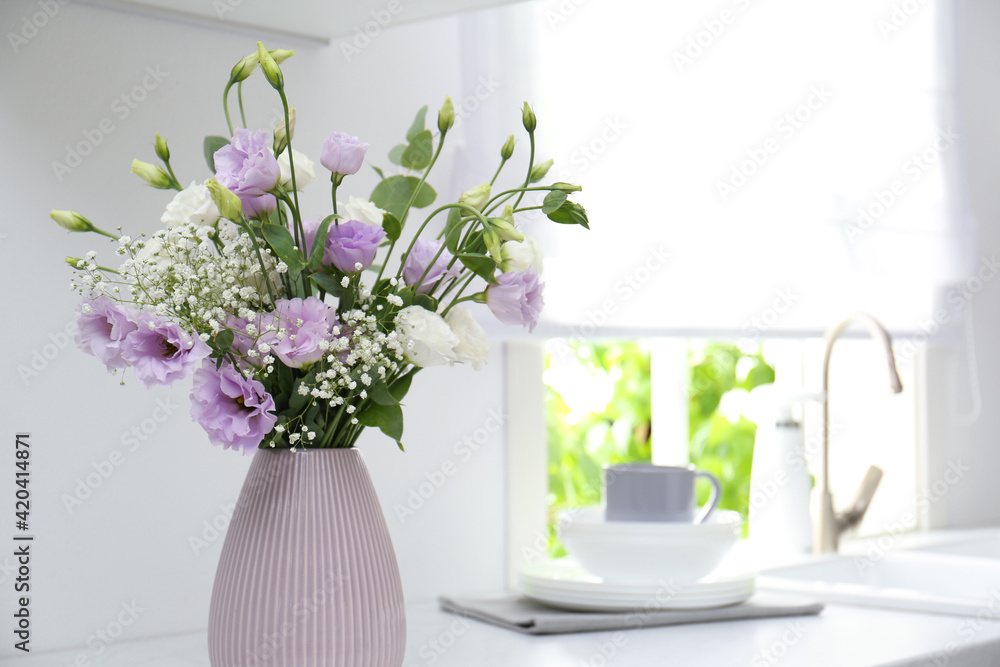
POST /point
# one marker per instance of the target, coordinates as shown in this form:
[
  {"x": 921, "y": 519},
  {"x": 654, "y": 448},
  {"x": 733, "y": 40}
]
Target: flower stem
[
  {"x": 225, "y": 107},
  {"x": 239, "y": 96}
]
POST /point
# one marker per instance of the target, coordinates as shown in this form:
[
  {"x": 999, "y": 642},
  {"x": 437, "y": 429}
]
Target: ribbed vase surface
[{"x": 307, "y": 576}]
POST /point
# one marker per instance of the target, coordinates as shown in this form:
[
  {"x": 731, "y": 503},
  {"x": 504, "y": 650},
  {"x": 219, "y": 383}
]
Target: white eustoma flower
[
  {"x": 521, "y": 255},
  {"x": 304, "y": 169},
  {"x": 473, "y": 346},
  {"x": 361, "y": 210},
  {"x": 426, "y": 337},
  {"x": 193, "y": 205}
]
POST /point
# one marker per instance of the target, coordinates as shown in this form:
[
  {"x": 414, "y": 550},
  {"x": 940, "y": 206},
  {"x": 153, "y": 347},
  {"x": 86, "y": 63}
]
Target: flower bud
[
  {"x": 152, "y": 174},
  {"x": 244, "y": 68},
  {"x": 492, "y": 240},
  {"x": 508, "y": 148},
  {"x": 226, "y": 201},
  {"x": 160, "y": 146},
  {"x": 74, "y": 262},
  {"x": 528, "y": 118},
  {"x": 476, "y": 197},
  {"x": 539, "y": 170},
  {"x": 281, "y": 55},
  {"x": 270, "y": 68},
  {"x": 505, "y": 230},
  {"x": 566, "y": 187},
  {"x": 446, "y": 116},
  {"x": 72, "y": 221},
  {"x": 280, "y": 138}
]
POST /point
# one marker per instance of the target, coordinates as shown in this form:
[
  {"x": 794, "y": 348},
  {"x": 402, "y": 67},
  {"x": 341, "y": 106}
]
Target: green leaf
[
  {"x": 425, "y": 301},
  {"x": 482, "y": 265},
  {"x": 396, "y": 155},
  {"x": 328, "y": 283},
  {"x": 281, "y": 241},
  {"x": 570, "y": 214},
  {"x": 380, "y": 394},
  {"x": 418, "y": 124},
  {"x": 378, "y": 171},
  {"x": 224, "y": 340},
  {"x": 212, "y": 144},
  {"x": 418, "y": 154},
  {"x": 388, "y": 419},
  {"x": 553, "y": 201},
  {"x": 393, "y": 193},
  {"x": 453, "y": 230},
  {"x": 392, "y": 226},
  {"x": 401, "y": 386},
  {"x": 475, "y": 243},
  {"x": 319, "y": 243}
]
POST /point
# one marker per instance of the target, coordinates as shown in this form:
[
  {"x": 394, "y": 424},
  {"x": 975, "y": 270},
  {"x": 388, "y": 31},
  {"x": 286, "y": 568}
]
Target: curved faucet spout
[{"x": 827, "y": 527}]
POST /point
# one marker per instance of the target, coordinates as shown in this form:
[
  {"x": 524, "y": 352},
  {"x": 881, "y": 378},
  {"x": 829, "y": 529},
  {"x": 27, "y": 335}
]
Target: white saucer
[{"x": 565, "y": 584}]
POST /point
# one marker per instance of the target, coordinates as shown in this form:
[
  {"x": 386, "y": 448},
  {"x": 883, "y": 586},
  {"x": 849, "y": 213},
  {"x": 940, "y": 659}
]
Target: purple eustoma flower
[
  {"x": 420, "y": 257},
  {"x": 160, "y": 352},
  {"x": 517, "y": 298},
  {"x": 248, "y": 168},
  {"x": 103, "y": 326},
  {"x": 236, "y": 412},
  {"x": 352, "y": 243},
  {"x": 343, "y": 154},
  {"x": 306, "y": 323}
]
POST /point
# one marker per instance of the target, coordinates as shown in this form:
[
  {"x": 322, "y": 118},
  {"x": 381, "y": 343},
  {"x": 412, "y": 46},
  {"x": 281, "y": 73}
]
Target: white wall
[{"x": 130, "y": 540}]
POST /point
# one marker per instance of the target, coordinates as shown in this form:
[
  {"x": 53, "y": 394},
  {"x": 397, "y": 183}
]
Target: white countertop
[{"x": 839, "y": 637}]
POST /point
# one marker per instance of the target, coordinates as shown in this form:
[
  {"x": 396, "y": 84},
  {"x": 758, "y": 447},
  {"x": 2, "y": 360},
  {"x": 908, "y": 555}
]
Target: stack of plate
[{"x": 565, "y": 584}]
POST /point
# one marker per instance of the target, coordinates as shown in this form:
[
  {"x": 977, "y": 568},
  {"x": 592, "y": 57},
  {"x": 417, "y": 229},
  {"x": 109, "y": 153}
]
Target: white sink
[
  {"x": 983, "y": 547},
  {"x": 939, "y": 583}
]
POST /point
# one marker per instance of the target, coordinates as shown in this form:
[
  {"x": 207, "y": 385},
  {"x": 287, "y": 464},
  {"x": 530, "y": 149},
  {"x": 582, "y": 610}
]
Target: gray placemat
[{"x": 521, "y": 614}]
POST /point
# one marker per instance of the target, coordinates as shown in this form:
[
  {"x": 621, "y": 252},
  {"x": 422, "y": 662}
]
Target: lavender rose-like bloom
[
  {"x": 517, "y": 298},
  {"x": 351, "y": 243},
  {"x": 160, "y": 352},
  {"x": 248, "y": 168},
  {"x": 307, "y": 323},
  {"x": 343, "y": 154},
  {"x": 236, "y": 412},
  {"x": 103, "y": 327},
  {"x": 420, "y": 257}
]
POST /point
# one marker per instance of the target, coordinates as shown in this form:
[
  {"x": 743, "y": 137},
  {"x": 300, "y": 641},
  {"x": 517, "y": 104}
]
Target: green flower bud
[
  {"x": 508, "y": 148},
  {"x": 528, "y": 118},
  {"x": 160, "y": 146},
  {"x": 74, "y": 262},
  {"x": 270, "y": 68},
  {"x": 505, "y": 230},
  {"x": 566, "y": 187},
  {"x": 280, "y": 138},
  {"x": 446, "y": 116},
  {"x": 152, "y": 174},
  {"x": 72, "y": 221},
  {"x": 281, "y": 55},
  {"x": 476, "y": 197},
  {"x": 244, "y": 68},
  {"x": 539, "y": 170},
  {"x": 492, "y": 240},
  {"x": 229, "y": 205}
]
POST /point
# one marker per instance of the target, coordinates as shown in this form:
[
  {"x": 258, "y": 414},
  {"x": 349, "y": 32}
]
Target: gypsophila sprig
[{"x": 300, "y": 329}]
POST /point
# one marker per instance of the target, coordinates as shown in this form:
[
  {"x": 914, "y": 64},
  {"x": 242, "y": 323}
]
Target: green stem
[
  {"x": 239, "y": 96},
  {"x": 531, "y": 165},
  {"x": 503, "y": 161},
  {"x": 458, "y": 294},
  {"x": 225, "y": 106},
  {"x": 402, "y": 260},
  {"x": 416, "y": 190},
  {"x": 260, "y": 258},
  {"x": 291, "y": 160}
]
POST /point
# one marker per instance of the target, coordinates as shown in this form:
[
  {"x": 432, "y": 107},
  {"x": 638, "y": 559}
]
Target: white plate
[{"x": 565, "y": 584}]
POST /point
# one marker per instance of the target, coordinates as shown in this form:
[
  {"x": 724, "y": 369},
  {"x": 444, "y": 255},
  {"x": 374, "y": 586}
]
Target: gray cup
[{"x": 646, "y": 492}]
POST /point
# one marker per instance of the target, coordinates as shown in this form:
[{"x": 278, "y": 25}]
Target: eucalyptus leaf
[
  {"x": 418, "y": 123},
  {"x": 482, "y": 265},
  {"x": 553, "y": 201},
  {"x": 393, "y": 194},
  {"x": 418, "y": 154},
  {"x": 392, "y": 226},
  {"x": 396, "y": 155},
  {"x": 211, "y": 145}
]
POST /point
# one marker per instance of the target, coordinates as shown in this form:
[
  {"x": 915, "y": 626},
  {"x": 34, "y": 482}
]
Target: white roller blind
[{"x": 749, "y": 167}]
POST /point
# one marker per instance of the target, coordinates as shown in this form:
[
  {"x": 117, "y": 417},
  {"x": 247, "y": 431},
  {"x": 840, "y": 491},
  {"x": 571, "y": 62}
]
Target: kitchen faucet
[{"x": 828, "y": 525}]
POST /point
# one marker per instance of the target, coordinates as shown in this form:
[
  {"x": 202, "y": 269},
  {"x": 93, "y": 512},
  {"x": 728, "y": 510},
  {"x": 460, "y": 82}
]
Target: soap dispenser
[{"x": 780, "y": 486}]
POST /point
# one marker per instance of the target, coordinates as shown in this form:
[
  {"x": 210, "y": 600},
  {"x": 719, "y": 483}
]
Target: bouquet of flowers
[{"x": 293, "y": 334}]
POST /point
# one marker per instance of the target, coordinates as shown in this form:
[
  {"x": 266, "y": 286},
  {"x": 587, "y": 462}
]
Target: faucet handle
[{"x": 862, "y": 499}]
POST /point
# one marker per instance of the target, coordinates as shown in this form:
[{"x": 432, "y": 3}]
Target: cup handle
[{"x": 713, "y": 501}]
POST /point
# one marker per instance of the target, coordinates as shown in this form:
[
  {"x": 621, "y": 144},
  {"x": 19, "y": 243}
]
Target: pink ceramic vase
[{"x": 307, "y": 575}]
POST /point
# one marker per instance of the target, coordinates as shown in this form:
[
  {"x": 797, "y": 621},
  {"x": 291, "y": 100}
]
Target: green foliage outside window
[{"x": 598, "y": 413}]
